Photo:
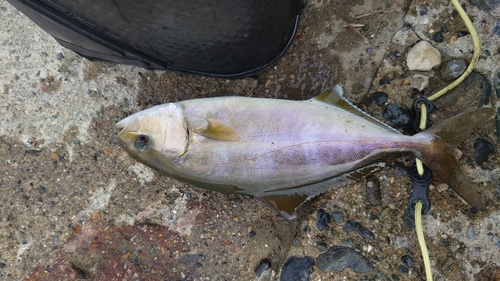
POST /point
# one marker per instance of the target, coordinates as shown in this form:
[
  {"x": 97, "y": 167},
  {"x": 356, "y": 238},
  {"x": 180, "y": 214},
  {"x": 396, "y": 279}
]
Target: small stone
[
  {"x": 384, "y": 81},
  {"x": 496, "y": 82},
  {"x": 462, "y": 34},
  {"x": 321, "y": 247},
  {"x": 482, "y": 150},
  {"x": 442, "y": 187},
  {"x": 419, "y": 82},
  {"x": 358, "y": 228},
  {"x": 60, "y": 56},
  {"x": 323, "y": 219},
  {"x": 394, "y": 56},
  {"x": 438, "y": 37},
  {"x": 445, "y": 265},
  {"x": 423, "y": 56},
  {"x": 373, "y": 194},
  {"x": 251, "y": 234},
  {"x": 264, "y": 265},
  {"x": 297, "y": 269},
  {"x": 379, "y": 98},
  {"x": 337, "y": 217},
  {"x": 496, "y": 29},
  {"x": 453, "y": 68},
  {"x": 339, "y": 258},
  {"x": 486, "y": 5},
  {"x": 407, "y": 261},
  {"x": 496, "y": 240},
  {"x": 403, "y": 269},
  {"x": 470, "y": 233},
  {"x": 422, "y": 10}
]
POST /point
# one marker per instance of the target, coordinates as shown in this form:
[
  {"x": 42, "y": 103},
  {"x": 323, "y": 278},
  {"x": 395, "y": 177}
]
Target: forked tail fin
[{"x": 446, "y": 137}]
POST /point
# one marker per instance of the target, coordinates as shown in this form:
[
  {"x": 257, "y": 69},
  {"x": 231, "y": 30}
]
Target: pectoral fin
[
  {"x": 217, "y": 130},
  {"x": 285, "y": 204}
]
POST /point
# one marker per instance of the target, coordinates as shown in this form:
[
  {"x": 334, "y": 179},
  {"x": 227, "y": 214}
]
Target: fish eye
[{"x": 143, "y": 142}]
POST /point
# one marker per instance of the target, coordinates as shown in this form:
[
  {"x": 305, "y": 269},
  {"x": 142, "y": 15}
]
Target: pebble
[
  {"x": 496, "y": 29},
  {"x": 438, "y": 37},
  {"x": 264, "y": 265},
  {"x": 496, "y": 80},
  {"x": 398, "y": 117},
  {"x": 60, "y": 56},
  {"x": 323, "y": 219},
  {"x": 496, "y": 240},
  {"x": 453, "y": 68},
  {"x": 379, "y": 98},
  {"x": 442, "y": 187},
  {"x": 462, "y": 34},
  {"x": 322, "y": 247},
  {"x": 419, "y": 82},
  {"x": 482, "y": 150},
  {"x": 339, "y": 258},
  {"x": 297, "y": 269},
  {"x": 403, "y": 269},
  {"x": 470, "y": 233},
  {"x": 445, "y": 265},
  {"x": 337, "y": 217},
  {"x": 372, "y": 191},
  {"x": 486, "y": 5},
  {"x": 358, "y": 228},
  {"x": 394, "y": 56},
  {"x": 407, "y": 261},
  {"x": 423, "y": 56}
]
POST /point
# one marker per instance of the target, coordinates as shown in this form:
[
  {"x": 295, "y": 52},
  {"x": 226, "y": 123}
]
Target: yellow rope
[
  {"x": 423, "y": 123},
  {"x": 421, "y": 241}
]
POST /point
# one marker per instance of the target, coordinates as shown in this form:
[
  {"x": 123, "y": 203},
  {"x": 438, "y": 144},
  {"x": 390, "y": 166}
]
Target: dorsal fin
[
  {"x": 217, "y": 130},
  {"x": 335, "y": 97}
]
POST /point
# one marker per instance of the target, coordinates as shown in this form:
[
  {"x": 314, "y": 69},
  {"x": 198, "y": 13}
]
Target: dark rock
[
  {"x": 60, "y": 56},
  {"x": 399, "y": 118},
  {"x": 482, "y": 150},
  {"x": 264, "y": 265},
  {"x": 453, "y": 68},
  {"x": 438, "y": 37},
  {"x": 373, "y": 193},
  {"x": 496, "y": 29},
  {"x": 486, "y": 5},
  {"x": 323, "y": 219},
  {"x": 496, "y": 82},
  {"x": 251, "y": 234},
  {"x": 462, "y": 33},
  {"x": 379, "y": 98},
  {"x": 422, "y": 11},
  {"x": 337, "y": 217},
  {"x": 297, "y": 269},
  {"x": 394, "y": 56},
  {"x": 403, "y": 269},
  {"x": 321, "y": 247},
  {"x": 358, "y": 228},
  {"x": 384, "y": 81},
  {"x": 340, "y": 257},
  {"x": 407, "y": 261}
]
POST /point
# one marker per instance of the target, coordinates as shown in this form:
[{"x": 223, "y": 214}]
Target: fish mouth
[{"x": 128, "y": 124}]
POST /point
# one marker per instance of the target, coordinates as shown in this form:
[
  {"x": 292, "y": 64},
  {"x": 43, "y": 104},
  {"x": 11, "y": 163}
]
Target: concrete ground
[{"x": 75, "y": 206}]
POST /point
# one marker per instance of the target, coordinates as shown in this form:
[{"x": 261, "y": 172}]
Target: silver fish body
[{"x": 281, "y": 151}]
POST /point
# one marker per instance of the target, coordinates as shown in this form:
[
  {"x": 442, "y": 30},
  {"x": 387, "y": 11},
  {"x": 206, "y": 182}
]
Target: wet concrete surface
[{"x": 75, "y": 206}]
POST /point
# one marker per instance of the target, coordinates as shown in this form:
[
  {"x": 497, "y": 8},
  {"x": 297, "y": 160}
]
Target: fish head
[{"x": 155, "y": 136}]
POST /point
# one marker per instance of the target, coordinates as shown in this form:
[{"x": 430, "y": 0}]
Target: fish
[{"x": 285, "y": 152}]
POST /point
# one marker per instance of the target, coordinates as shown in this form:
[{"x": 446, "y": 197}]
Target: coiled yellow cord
[{"x": 423, "y": 122}]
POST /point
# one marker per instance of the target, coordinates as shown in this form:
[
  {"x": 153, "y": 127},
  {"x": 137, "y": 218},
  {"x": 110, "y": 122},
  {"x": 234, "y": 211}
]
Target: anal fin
[{"x": 285, "y": 205}]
